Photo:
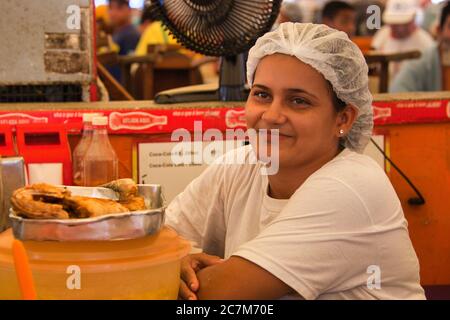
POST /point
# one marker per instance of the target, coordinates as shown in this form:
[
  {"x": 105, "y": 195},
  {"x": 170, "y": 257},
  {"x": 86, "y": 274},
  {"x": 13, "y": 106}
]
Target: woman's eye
[
  {"x": 299, "y": 101},
  {"x": 261, "y": 94}
]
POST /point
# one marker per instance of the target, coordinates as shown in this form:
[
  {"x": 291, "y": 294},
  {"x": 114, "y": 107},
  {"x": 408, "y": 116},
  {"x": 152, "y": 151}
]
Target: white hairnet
[{"x": 332, "y": 54}]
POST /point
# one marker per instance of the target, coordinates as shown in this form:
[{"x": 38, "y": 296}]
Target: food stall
[
  {"x": 66, "y": 237},
  {"x": 414, "y": 130}
]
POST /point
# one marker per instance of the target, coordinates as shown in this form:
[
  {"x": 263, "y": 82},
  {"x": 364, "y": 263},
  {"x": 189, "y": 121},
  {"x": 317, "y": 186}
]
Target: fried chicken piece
[
  {"x": 134, "y": 204},
  {"x": 126, "y": 188},
  {"x": 86, "y": 207},
  {"x": 128, "y": 194},
  {"x": 40, "y": 201},
  {"x": 45, "y": 201}
]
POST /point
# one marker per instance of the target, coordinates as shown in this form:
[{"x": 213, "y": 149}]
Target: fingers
[
  {"x": 195, "y": 264},
  {"x": 188, "y": 274},
  {"x": 189, "y": 268},
  {"x": 206, "y": 260},
  {"x": 184, "y": 293}
]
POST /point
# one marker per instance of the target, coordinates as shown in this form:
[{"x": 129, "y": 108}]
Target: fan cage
[{"x": 217, "y": 28}]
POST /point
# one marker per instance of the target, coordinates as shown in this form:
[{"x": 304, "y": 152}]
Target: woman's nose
[{"x": 274, "y": 114}]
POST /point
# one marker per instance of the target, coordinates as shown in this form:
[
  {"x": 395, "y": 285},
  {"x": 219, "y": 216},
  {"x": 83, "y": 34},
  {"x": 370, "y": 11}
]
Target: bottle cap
[
  {"x": 87, "y": 117},
  {"x": 100, "y": 121}
]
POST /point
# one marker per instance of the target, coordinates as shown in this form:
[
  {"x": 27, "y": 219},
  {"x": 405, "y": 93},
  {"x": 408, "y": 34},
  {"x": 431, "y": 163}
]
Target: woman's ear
[{"x": 345, "y": 119}]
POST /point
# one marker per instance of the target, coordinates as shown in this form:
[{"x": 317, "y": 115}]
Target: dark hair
[
  {"x": 120, "y": 3},
  {"x": 338, "y": 104},
  {"x": 445, "y": 13},
  {"x": 332, "y": 8},
  {"x": 149, "y": 12},
  {"x": 147, "y": 16}
]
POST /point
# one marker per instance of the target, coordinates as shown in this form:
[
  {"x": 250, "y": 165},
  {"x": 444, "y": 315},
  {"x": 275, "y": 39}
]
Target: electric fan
[{"x": 222, "y": 28}]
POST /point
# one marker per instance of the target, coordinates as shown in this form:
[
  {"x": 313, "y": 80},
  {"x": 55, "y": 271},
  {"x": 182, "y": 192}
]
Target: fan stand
[{"x": 231, "y": 86}]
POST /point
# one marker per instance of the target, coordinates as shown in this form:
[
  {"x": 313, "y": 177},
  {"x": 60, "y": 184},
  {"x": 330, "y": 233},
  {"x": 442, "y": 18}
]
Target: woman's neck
[{"x": 288, "y": 179}]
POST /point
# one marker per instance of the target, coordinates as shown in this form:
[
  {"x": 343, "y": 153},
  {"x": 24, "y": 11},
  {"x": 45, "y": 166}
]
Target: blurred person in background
[
  {"x": 104, "y": 31},
  {"x": 289, "y": 12},
  {"x": 147, "y": 18},
  {"x": 153, "y": 31},
  {"x": 125, "y": 35},
  {"x": 432, "y": 71},
  {"x": 401, "y": 33},
  {"x": 341, "y": 16},
  {"x": 102, "y": 18}
]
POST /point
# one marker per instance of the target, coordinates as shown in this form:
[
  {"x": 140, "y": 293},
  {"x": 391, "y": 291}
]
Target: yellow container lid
[{"x": 165, "y": 246}]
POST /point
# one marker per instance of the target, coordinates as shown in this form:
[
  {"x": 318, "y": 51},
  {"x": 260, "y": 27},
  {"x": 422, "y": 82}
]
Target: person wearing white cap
[
  {"x": 401, "y": 32},
  {"x": 328, "y": 224},
  {"x": 432, "y": 71},
  {"x": 290, "y": 11}
]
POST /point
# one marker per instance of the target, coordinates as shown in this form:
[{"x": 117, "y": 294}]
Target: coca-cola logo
[
  {"x": 136, "y": 120},
  {"x": 235, "y": 118},
  {"x": 20, "y": 118},
  {"x": 379, "y": 113}
]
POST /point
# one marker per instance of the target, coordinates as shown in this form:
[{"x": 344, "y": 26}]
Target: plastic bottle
[
  {"x": 100, "y": 162},
  {"x": 81, "y": 148}
]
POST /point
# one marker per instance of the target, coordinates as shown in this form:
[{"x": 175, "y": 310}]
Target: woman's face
[{"x": 294, "y": 98}]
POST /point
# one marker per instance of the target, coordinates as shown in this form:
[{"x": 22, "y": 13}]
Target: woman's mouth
[{"x": 273, "y": 135}]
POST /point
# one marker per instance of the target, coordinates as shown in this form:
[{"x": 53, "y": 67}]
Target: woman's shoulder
[
  {"x": 349, "y": 162},
  {"x": 354, "y": 187},
  {"x": 356, "y": 173}
]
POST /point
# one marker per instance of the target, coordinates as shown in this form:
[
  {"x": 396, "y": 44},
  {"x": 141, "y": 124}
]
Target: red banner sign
[
  {"x": 420, "y": 111},
  {"x": 167, "y": 120}
]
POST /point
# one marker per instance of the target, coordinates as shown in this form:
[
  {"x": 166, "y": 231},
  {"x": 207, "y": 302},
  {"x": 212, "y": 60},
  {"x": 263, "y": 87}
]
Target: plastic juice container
[{"x": 145, "y": 268}]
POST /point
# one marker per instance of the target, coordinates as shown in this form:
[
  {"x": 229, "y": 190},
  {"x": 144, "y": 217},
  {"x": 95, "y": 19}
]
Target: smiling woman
[
  {"x": 304, "y": 111},
  {"x": 328, "y": 224}
]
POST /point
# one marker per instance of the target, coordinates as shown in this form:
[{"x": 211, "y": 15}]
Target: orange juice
[{"x": 145, "y": 268}]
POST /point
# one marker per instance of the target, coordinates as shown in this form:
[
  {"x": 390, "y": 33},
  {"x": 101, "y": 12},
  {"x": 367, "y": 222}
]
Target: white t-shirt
[
  {"x": 383, "y": 41},
  {"x": 344, "y": 221}
]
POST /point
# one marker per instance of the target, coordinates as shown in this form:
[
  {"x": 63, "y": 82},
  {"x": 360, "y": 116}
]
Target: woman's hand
[{"x": 190, "y": 265}]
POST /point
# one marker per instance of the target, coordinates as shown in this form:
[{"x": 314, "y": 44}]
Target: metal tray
[{"x": 121, "y": 226}]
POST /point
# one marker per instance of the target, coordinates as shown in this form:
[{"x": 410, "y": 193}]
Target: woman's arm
[
  {"x": 197, "y": 214},
  {"x": 239, "y": 279}
]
